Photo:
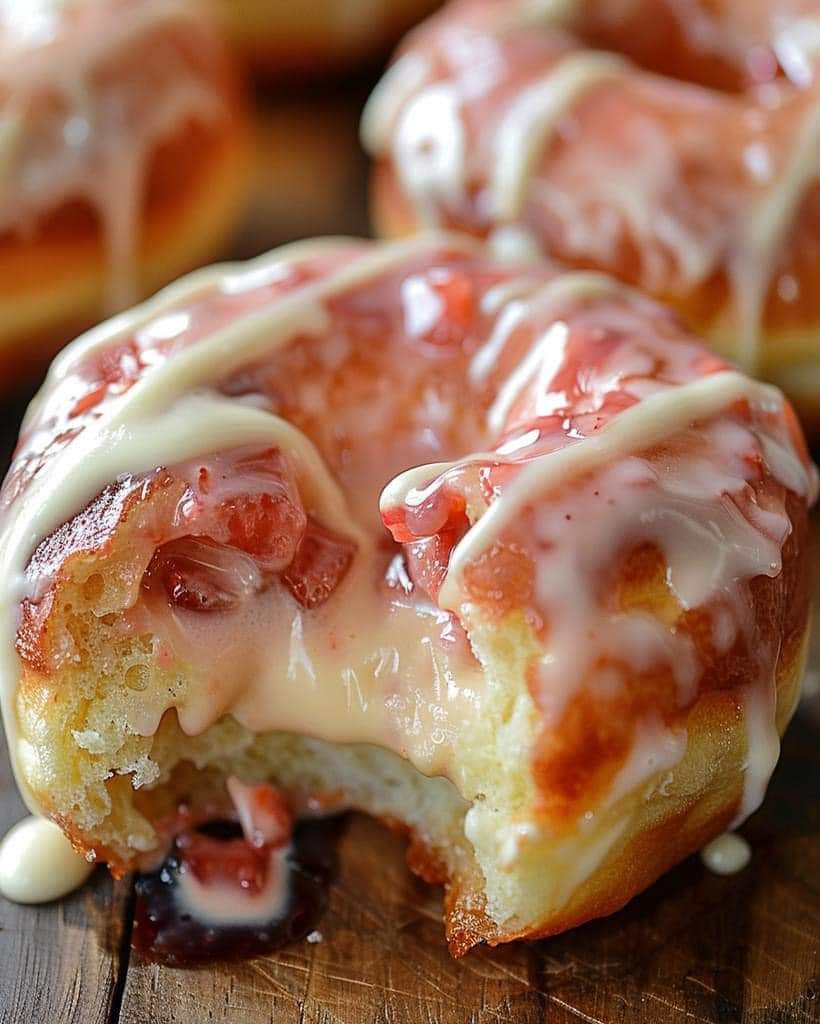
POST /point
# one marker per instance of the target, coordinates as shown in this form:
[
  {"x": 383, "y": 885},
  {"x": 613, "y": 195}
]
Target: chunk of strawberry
[
  {"x": 201, "y": 575},
  {"x": 428, "y": 560},
  {"x": 266, "y": 526},
  {"x": 319, "y": 565},
  {"x": 255, "y": 506},
  {"x": 440, "y": 508}
]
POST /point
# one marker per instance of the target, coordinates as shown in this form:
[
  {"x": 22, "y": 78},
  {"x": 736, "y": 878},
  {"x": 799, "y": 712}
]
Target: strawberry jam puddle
[{"x": 237, "y": 887}]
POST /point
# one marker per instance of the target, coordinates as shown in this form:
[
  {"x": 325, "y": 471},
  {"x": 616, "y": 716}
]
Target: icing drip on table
[
  {"x": 727, "y": 854},
  {"x": 76, "y": 124},
  {"x": 38, "y": 864},
  {"x": 527, "y": 401}
]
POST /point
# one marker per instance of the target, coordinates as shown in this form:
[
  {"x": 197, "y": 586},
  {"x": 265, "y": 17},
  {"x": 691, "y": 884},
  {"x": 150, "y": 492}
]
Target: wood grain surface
[{"x": 694, "y": 948}]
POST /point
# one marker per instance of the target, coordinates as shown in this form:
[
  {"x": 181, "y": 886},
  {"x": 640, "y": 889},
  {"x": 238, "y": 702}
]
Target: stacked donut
[{"x": 675, "y": 144}]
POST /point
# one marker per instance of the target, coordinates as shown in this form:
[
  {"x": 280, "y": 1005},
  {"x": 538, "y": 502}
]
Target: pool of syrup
[{"x": 165, "y": 931}]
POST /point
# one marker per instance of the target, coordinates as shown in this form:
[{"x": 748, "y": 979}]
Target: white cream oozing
[{"x": 75, "y": 127}]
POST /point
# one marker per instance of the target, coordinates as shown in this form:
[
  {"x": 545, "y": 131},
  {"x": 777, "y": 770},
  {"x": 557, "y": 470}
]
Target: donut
[
  {"x": 107, "y": 193},
  {"x": 276, "y": 38},
  {"x": 497, "y": 553},
  {"x": 674, "y": 144}
]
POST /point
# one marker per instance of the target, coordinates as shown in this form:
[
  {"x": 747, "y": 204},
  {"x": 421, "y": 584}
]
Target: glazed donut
[
  {"x": 277, "y": 37},
  {"x": 498, "y": 554},
  {"x": 504, "y": 121},
  {"x": 107, "y": 193}
]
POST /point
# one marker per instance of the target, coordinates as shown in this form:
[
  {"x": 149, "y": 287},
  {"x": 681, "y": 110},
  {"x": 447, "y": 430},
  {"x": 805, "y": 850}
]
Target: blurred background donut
[
  {"x": 672, "y": 143},
  {"x": 105, "y": 193}
]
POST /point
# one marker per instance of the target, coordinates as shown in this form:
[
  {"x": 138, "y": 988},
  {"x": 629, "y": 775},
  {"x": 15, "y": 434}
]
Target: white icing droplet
[
  {"x": 315, "y": 937},
  {"x": 727, "y": 854},
  {"x": 38, "y": 864}
]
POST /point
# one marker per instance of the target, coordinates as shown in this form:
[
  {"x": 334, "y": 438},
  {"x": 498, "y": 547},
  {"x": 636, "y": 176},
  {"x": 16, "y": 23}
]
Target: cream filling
[
  {"x": 220, "y": 903},
  {"x": 369, "y": 666},
  {"x": 172, "y": 415}
]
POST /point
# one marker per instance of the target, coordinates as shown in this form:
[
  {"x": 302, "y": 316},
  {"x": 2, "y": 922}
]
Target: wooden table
[{"x": 695, "y": 948}]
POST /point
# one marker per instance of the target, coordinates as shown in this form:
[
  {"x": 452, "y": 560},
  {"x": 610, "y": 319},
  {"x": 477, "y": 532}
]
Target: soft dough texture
[
  {"x": 673, "y": 143},
  {"x": 108, "y": 193},
  {"x": 558, "y": 650}
]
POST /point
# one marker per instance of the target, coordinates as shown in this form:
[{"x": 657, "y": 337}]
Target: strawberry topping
[
  {"x": 320, "y": 564},
  {"x": 439, "y": 306},
  {"x": 202, "y": 576}
]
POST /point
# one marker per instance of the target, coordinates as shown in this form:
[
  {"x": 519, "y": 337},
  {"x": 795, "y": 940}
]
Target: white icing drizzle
[
  {"x": 547, "y": 300},
  {"x": 38, "y": 864},
  {"x": 430, "y": 149},
  {"x": 797, "y": 46},
  {"x": 98, "y": 145},
  {"x": 531, "y": 119},
  {"x": 514, "y": 243},
  {"x": 727, "y": 854},
  {"x": 653, "y": 420},
  {"x": 401, "y": 81},
  {"x": 762, "y": 748}
]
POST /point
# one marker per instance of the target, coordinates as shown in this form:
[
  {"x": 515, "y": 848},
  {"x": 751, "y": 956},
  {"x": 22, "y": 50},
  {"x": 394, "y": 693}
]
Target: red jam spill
[{"x": 165, "y": 929}]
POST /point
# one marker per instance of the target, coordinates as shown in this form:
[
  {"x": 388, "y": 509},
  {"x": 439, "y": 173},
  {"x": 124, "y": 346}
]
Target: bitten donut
[
  {"x": 496, "y": 553},
  {"x": 532, "y": 124},
  {"x": 122, "y": 155},
  {"x": 278, "y": 36}
]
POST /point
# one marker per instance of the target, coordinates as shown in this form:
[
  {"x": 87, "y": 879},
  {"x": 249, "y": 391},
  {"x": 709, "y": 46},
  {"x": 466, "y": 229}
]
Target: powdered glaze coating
[
  {"x": 78, "y": 123},
  {"x": 701, "y": 187},
  {"x": 619, "y": 409}
]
